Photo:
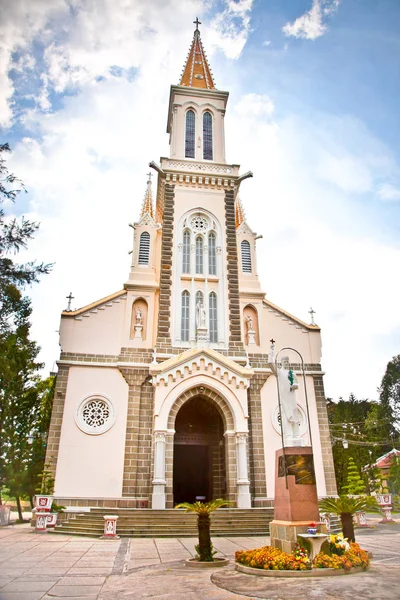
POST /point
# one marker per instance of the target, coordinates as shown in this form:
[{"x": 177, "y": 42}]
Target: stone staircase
[{"x": 168, "y": 523}]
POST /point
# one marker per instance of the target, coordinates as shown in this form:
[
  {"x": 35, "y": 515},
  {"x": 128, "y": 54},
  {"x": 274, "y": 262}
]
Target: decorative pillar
[
  {"x": 159, "y": 481},
  {"x": 243, "y": 483},
  {"x": 110, "y": 527}
]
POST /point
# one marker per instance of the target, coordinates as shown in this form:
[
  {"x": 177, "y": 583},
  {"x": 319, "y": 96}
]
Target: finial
[
  {"x": 69, "y": 298},
  {"x": 197, "y": 23},
  {"x": 149, "y": 175},
  {"x": 312, "y": 313}
]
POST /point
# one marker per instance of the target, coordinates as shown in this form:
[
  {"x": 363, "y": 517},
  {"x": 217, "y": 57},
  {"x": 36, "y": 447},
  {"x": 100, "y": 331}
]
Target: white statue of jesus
[
  {"x": 200, "y": 315},
  {"x": 290, "y": 415}
]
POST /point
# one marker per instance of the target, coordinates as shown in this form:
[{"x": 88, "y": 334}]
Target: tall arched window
[
  {"x": 199, "y": 254},
  {"x": 207, "y": 136},
  {"x": 144, "y": 248},
  {"x": 213, "y": 318},
  {"x": 186, "y": 252},
  {"x": 212, "y": 254},
  {"x": 185, "y": 316},
  {"x": 246, "y": 257},
  {"x": 190, "y": 134}
]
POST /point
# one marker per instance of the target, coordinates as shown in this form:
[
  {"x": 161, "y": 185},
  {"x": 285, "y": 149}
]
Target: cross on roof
[
  {"x": 150, "y": 175},
  {"x": 197, "y": 23},
  {"x": 312, "y": 313},
  {"x": 272, "y": 341},
  {"x": 69, "y": 298}
]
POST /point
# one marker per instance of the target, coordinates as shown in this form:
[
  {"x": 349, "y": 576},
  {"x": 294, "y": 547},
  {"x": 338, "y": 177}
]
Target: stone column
[
  {"x": 243, "y": 483},
  {"x": 159, "y": 481}
]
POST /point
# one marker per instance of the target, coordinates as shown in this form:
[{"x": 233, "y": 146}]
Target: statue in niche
[
  {"x": 290, "y": 414},
  {"x": 249, "y": 323},
  {"x": 200, "y": 315},
  {"x": 139, "y": 317},
  {"x": 251, "y": 334}
]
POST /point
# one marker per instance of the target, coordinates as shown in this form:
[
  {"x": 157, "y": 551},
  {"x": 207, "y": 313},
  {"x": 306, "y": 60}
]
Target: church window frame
[
  {"x": 95, "y": 414},
  {"x": 212, "y": 253},
  {"x": 208, "y": 151},
  {"x": 246, "y": 256},
  {"x": 185, "y": 316},
  {"x": 213, "y": 317},
  {"x": 144, "y": 248},
  {"x": 190, "y": 133},
  {"x": 199, "y": 255},
  {"x": 186, "y": 252}
]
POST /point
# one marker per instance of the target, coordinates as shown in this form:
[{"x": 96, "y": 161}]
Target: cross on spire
[
  {"x": 197, "y": 23},
  {"x": 149, "y": 175},
  {"x": 312, "y": 313},
  {"x": 69, "y": 298}
]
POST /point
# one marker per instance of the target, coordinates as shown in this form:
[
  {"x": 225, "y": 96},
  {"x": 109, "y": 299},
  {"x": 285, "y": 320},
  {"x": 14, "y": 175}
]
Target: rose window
[
  {"x": 199, "y": 224},
  {"x": 95, "y": 415}
]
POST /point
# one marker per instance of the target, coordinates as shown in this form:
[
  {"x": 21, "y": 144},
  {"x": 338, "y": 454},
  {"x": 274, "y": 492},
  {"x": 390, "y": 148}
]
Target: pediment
[
  {"x": 244, "y": 229},
  {"x": 198, "y": 360}
]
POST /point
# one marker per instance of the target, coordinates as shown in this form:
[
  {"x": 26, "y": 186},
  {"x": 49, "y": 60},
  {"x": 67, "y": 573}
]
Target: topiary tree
[
  {"x": 354, "y": 484},
  {"x": 203, "y": 510}
]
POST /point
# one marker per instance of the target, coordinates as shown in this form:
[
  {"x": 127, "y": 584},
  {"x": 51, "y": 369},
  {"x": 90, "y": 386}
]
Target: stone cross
[
  {"x": 312, "y": 313},
  {"x": 69, "y": 298},
  {"x": 197, "y": 23}
]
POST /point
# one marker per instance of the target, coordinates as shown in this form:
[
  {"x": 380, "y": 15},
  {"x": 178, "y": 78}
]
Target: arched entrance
[{"x": 199, "y": 452}]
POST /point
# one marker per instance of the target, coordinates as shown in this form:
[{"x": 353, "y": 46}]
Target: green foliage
[
  {"x": 354, "y": 484},
  {"x": 46, "y": 481},
  {"x": 394, "y": 476},
  {"x": 343, "y": 505},
  {"x": 390, "y": 388}
]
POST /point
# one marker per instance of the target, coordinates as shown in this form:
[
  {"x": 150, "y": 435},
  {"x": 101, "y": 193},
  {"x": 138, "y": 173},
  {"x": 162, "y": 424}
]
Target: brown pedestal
[{"x": 296, "y": 502}]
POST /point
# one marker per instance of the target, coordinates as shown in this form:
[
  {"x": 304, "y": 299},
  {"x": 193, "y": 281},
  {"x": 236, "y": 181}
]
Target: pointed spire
[
  {"x": 147, "y": 207},
  {"x": 239, "y": 213},
  {"x": 197, "y": 72}
]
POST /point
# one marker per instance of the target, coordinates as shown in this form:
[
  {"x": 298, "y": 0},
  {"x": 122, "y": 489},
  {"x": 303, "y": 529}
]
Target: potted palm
[
  {"x": 346, "y": 507},
  {"x": 204, "y": 548}
]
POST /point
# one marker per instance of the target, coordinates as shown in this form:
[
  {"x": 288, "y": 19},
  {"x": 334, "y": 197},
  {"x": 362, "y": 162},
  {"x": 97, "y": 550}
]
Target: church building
[{"x": 166, "y": 390}]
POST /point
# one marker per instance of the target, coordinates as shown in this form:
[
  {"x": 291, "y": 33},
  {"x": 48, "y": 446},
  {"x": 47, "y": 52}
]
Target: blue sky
[{"x": 314, "y": 88}]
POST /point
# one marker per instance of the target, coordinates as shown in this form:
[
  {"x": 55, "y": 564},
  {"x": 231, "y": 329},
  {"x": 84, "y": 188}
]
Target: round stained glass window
[
  {"x": 95, "y": 415},
  {"x": 199, "y": 223}
]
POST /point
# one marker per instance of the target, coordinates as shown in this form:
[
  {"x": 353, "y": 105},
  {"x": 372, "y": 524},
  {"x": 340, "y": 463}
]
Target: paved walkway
[{"x": 36, "y": 566}]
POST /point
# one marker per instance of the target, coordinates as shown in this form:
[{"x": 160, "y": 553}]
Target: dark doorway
[
  {"x": 199, "y": 452},
  {"x": 191, "y": 473}
]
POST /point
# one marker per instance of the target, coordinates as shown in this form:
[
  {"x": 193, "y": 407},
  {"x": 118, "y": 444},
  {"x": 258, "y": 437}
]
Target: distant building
[
  {"x": 384, "y": 463},
  {"x": 165, "y": 392}
]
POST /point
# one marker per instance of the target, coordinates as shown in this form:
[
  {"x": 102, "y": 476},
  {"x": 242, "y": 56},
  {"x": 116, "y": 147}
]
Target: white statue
[
  {"x": 249, "y": 323},
  {"x": 139, "y": 317},
  {"x": 290, "y": 414},
  {"x": 200, "y": 315}
]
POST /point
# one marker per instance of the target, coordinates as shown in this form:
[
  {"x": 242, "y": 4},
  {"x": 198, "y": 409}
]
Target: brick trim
[
  {"x": 164, "y": 311},
  {"x": 326, "y": 445},
  {"x": 57, "y": 413},
  {"x": 258, "y": 483},
  {"x": 235, "y": 333}
]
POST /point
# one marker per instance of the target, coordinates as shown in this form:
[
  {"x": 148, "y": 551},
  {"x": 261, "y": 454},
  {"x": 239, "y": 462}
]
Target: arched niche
[
  {"x": 250, "y": 324},
  {"x": 139, "y": 318}
]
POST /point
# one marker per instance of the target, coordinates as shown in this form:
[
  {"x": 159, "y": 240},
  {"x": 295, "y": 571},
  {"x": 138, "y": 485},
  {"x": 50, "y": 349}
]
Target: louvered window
[
  {"x": 190, "y": 134},
  {"x": 186, "y": 252},
  {"x": 213, "y": 318},
  {"x": 199, "y": 254},
  {"x": 212, "y": 254},
  {"x": 185, "y": 316},
  {"x": 144, "y": 248},
  {"x": 207, "y": 136},
  {"x": 246, "y": 257}
]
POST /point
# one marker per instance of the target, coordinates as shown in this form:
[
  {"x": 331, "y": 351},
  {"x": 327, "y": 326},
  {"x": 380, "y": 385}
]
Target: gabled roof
[
  {"x": 284, "y": 313},
  {"x": 197, "y": 72},
  {"x": 386, "y": 459},
  {"x": 94, "y": 305}
]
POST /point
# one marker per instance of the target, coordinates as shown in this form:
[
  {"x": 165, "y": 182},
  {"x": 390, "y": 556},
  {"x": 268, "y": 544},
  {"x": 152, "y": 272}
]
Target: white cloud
[
  {"x": 311, "y": 25},
  {"x": 267, "y": 43},
  {"x": 255, "y": 105},
  {"x": 389, "y": 192},
  {"x": 231, "y": 27}
]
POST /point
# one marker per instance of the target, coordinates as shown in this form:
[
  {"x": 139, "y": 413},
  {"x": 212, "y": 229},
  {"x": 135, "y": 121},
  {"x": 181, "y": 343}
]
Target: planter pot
[
  {"x": 41, "y": 521},
  {"x": 310, "y": 573},
  {"x": 43, "y": 502},
  {"x": 312, "y": 530},
  {"x": 51, "y": 519},
  {"x": 196, "y": 564}
]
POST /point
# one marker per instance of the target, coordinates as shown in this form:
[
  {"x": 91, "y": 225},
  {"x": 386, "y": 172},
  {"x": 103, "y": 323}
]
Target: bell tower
[{"x": 199, "y": 293}]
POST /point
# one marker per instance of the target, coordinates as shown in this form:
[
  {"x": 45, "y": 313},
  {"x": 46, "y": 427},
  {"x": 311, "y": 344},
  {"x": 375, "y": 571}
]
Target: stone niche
[
  {"x": 250, "y": 326},
  {"x": 139, "y": 318}
]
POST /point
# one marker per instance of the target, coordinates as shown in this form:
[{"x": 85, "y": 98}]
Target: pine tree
[
  {"x": 354, "y": 484},
  {"x": 390, "y": 389}
]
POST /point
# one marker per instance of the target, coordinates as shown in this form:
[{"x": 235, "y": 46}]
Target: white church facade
[{"x": 165, "y": 389}]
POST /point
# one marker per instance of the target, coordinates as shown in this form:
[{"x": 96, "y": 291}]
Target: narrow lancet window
[
  {"x": 185, "y": 316},
  {"x": 186, "y": 252},
  {"x": 212, "y": 254},
  {"x": 207, "y": 136},
  {"x": 144, "y": 248},
  {"x": 199, "y": 254},
  {"x": 213, "y": 318},
  {"x": 190, "y": 134},
  {"x": 246, "y": 257}
]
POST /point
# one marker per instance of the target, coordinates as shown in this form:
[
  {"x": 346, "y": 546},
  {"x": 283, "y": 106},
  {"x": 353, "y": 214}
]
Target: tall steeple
[
  {"x": 239, "y": 214},
  {"x": 197, "y": 72}
]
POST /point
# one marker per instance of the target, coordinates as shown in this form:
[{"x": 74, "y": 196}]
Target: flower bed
[{"x": 272, "y": 559}]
